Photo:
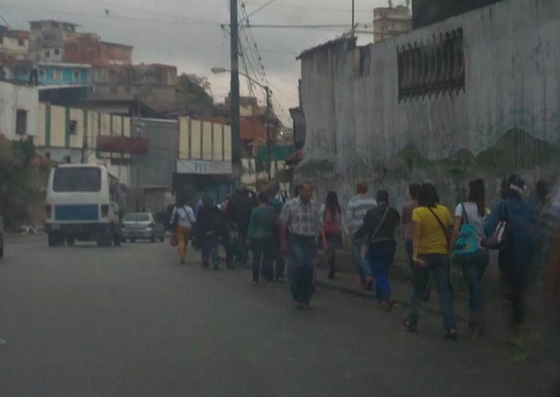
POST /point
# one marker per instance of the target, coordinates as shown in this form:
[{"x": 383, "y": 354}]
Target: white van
[{"x": 82, "y": 204}]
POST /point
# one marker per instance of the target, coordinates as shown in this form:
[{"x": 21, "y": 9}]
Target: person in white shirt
[
  {"x": 182, "y": 220},
  {"x": 474, "y": 212}
]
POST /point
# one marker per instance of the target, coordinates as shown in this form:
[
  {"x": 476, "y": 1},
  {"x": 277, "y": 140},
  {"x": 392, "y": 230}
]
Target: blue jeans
[
  {"x": 380, "y": 260},
  {"x": 473, "y": 271},
  {"x": 303, "y": 251},
  {"x": 262, "y": 258},
  {"x": 210, "y": 251},
  {"x": 439, "y": 265},
  {"x": 361, "y": 262}
]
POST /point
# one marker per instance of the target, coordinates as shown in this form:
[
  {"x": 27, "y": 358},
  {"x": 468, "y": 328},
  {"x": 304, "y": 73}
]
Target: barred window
[{"x": 435, "y": 67}]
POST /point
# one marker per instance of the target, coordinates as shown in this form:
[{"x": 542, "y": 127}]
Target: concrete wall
[
  {"x": 506, "y": 119},
  {"x": 54, "y": 54},
  {"x": 158, "y": 167},
  {"x": 14, "y": 98},
  {"x": 97, "y": 53}
]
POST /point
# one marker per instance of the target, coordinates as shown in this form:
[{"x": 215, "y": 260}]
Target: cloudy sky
[{"x": 188, "y": 33}]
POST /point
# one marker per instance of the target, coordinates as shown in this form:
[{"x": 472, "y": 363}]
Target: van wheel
[
  {"x": 117, "y": 239},
  {"x": 70, "y": 241},
  {"x": 105, "y": 239},
  {"x": 162, "y": 238}
]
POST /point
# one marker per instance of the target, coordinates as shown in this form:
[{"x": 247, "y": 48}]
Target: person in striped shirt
[{"x": 357, "y": 209}]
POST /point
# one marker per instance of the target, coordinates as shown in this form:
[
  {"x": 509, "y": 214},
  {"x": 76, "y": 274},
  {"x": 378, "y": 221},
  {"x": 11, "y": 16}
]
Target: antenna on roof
[{"x": 390, "y": 3}]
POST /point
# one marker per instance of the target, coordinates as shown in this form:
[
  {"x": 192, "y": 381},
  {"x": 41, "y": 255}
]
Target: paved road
[{"x": 129, "y": 321}]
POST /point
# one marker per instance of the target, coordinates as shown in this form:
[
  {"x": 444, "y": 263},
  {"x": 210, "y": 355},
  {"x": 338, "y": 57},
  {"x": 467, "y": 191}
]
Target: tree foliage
[
  {"x": 17, "y": 188},
  {"x": 196, "y": 94}
]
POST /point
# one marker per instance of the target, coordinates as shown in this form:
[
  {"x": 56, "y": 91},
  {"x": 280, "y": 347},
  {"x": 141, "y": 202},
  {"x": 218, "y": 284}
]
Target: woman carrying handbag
[
  {"x": 182, "y": 222},
  {"x": 468, "y": 253},
  {"x": 379, "y": 225},
  {"x": 430, "y": 246}
]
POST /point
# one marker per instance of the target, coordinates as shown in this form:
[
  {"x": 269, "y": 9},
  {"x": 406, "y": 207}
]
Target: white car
[{"x": 142, "y": 226}]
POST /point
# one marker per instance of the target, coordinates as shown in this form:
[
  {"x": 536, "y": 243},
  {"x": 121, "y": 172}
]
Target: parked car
[
  {"x": 142, "y": 226},
  {"x": 1, "y": 236}
]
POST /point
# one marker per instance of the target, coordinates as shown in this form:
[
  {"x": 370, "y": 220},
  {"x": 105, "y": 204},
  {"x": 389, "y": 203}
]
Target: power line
[
  {"x": 174, "y": 20},
  {"x": 326, "y": 26},
  {"x": 260, "y": 8},
  {"x": 330, "y": 9}
]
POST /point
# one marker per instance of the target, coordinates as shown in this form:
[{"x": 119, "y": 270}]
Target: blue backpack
[{"x": 466, "y": 246}]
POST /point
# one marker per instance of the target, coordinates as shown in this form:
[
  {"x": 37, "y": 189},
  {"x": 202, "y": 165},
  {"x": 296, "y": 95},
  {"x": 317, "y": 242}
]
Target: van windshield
[{"x": 79, "y": 179}]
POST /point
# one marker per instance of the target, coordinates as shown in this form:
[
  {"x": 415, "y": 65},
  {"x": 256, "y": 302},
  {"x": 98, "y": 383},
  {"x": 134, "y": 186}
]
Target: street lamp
[{"x": 218, "y": 70}]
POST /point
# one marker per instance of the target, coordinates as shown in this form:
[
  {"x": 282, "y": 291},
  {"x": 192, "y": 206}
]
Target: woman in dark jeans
[
  {"x": 332, "y": 222},
  {"x": 379, "y": 225},
  {"x": 261, "y": 239},
  {"x": 430, "y": 241}
]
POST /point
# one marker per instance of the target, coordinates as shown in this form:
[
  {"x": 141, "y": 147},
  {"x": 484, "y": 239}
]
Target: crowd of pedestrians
[{"x": 434, "y": 239}]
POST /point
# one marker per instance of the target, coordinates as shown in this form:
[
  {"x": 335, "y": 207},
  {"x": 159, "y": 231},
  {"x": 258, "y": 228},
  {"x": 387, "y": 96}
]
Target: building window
[
  {"x": 42, "y": 73},
  {"x": 435, "y": 67},
  {"x": 21, "y": 122},
  {"x": 21, "y": 42},
  {"x": 72, "y": 127},
  {"x": 47, "y": 54},
  {"x": 76, "y": 75},
  {"x": 113, "y": 89},
  {"x": 57, "y": 52},
  {"x": 56, "y": 74}
]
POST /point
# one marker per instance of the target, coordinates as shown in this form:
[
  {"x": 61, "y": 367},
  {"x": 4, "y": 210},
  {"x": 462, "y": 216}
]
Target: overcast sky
[{"x": 187, "y": 33}]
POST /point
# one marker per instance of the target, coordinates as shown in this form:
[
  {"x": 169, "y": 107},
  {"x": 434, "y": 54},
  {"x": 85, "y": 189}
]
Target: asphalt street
[{"x": 130, "y": 321}]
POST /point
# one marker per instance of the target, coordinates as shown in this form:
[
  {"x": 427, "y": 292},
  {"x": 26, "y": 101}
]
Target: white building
[
  {"x": 14, "y": 43},
  {"x": 19, "y": 111}
]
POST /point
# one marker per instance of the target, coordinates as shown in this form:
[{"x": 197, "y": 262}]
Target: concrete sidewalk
[{"x": 402, "y": 292}]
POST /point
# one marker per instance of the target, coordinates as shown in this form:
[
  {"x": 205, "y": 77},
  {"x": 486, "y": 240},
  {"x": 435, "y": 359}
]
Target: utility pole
[
  {"x": 268, "y": 140},
  {"x": 234, "y": 93},
  {"x": 353, "y": 19}
]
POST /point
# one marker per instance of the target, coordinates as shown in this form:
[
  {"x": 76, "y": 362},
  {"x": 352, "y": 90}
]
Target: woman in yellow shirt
[{"x": 431, "y": 230}]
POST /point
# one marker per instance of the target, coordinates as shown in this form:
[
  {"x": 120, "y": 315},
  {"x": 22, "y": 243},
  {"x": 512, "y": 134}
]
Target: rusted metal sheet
[{"x": 123, "y": 144}]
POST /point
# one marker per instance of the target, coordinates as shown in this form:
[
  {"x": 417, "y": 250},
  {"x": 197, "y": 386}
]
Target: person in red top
[{"x": 332, "y": 221}]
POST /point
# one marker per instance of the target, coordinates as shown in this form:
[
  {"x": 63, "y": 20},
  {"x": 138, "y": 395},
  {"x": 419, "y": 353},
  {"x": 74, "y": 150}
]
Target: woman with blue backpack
[{"x": 468, "y": 253}]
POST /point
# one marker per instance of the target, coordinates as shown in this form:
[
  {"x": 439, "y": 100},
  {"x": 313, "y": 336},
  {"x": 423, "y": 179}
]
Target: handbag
[
  {"x": 501, "y": 235},
  {"x": 466, "y": 246}
]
